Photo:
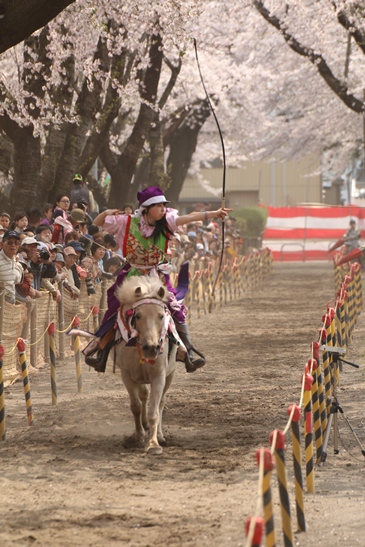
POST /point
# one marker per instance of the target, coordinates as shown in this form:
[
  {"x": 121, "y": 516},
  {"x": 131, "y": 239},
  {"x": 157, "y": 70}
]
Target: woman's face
[
  {"x": 156, "y": 212},
  {"x": 99, "y": 253},
  {"x": 22, "y": 223},
  {"x": 49, "y": 213},
  {"x": 64, "y": 203}
]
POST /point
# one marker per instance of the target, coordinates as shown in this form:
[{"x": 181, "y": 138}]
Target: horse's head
[{"x": 146, "y": 297}]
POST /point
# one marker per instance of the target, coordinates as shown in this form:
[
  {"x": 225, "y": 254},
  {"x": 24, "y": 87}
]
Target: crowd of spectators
[
  {"x": 60, "y": 244},
  {"x": 201, "y": 241}
]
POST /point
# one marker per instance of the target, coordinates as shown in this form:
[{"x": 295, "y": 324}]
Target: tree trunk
[
  {"x": 182, "y": 147},
  {"x": 88, "y": 104},
  {"x": 156, "y": 153},
  {"x": 27, "y": 166},
  {"x": 127, "y": 161}
]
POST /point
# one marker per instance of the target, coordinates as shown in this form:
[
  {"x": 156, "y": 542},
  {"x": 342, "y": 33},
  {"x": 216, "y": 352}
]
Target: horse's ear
[
  {"x": 161, "y": 292},
  {"x": 138, "y": 291}
]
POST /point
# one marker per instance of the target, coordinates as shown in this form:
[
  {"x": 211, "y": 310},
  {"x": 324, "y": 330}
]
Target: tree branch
[
  {"x": 356, "y": 33},
  {"x": 338, "y": 86}
]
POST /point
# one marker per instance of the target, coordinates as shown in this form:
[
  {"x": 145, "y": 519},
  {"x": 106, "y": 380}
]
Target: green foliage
[{"x": 251, "y": 220}]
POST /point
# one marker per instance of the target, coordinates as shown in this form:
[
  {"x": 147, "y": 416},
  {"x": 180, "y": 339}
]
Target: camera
[{"x": 44, "y": 255}]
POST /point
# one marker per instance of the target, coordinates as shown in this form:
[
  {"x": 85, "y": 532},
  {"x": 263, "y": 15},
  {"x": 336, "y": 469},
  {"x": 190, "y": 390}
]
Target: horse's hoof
[
  {"x": 133, "y": 442},
  {"x": 162, "y": 441},
  {"x": 154, "y": 450}
]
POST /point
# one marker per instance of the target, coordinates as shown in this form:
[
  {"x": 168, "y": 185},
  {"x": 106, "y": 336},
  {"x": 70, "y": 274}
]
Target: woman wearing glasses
[{"x": 61, "y": 207}]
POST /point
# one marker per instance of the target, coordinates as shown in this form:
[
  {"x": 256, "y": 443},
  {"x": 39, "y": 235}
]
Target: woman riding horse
[{"x": 143, "y": 238}]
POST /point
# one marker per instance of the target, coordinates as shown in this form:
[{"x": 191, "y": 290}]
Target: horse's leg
[
  {"x": 143, "y": 395},
  {"x": 157, "y": 388},
  {"x": 137, "y": 410},
  {"x": 168, "y": 382}
]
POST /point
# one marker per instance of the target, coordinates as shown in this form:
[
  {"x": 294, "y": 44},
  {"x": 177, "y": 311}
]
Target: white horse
[{"x": 149, "y": 362}]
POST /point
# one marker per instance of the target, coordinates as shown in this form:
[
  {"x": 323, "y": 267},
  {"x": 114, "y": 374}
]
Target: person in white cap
[{"x": 144, "y": 238}]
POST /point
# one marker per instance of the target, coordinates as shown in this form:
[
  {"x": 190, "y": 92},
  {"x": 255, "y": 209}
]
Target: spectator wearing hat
[
  {"x": 83, "y": 205},
  {"x": 59, "y": 263},
  {"x": 81, "y": 272},
  {"x": 29, "y": 246},
  {"x": 40, "y": 264},
  {"x": 80, "y": 191},
  {"x": 11, "y": 271}
]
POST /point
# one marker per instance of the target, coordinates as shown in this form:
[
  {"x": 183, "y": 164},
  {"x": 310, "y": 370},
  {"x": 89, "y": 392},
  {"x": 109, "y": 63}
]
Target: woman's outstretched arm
[{"x": 202, "y": 215}]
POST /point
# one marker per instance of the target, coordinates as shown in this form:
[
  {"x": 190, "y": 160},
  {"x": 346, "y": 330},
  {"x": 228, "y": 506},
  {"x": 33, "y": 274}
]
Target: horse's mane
[{"x": 150, "y": 288}]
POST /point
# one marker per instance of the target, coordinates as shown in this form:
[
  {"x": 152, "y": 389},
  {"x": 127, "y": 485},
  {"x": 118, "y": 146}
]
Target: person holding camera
[{"x": 39, "y": 263}]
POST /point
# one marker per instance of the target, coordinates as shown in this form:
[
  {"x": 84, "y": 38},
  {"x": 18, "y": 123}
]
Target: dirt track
[{"x": 68, "y": 481}]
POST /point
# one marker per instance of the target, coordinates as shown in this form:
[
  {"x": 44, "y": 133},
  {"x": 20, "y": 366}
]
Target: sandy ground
[{"x": 68, "y": 481}]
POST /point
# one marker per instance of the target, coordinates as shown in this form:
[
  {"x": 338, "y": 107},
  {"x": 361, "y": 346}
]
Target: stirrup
[
  {"x": 191, "y": 365},
  {"x": 99, "y": 362}
]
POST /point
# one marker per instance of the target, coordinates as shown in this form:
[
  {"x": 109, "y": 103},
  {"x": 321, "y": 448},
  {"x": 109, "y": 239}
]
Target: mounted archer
[{"x": 144, "y": 238}]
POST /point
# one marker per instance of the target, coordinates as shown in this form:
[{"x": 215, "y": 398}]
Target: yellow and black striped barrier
[
  {"x": 2, "y": 398},
  {"x": 52, "y": 357},
  {"x": 26, "y": 384},
  {"x": 295, "y": 412},
  {"x": 308, "y": 432},
  {"x": 317, "y": 425},
  {"x": 278, "y": 439},
  {"x": 77, "y": 352},
  {"x": 268, "y": 465},
  {"x": 322, "y": 401}
]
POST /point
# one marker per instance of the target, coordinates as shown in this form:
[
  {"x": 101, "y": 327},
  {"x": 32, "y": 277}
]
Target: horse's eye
[
  {"x": 137, "y": 316},
  {"x": 161, "y": 316}
]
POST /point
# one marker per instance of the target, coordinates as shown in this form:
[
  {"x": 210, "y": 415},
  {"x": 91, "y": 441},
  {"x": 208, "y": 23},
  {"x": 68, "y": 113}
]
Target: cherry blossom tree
[
  {"x": 119, "y": 82},
  {"x": 87, "y": 85}
]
